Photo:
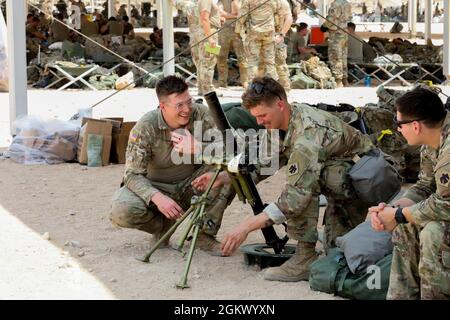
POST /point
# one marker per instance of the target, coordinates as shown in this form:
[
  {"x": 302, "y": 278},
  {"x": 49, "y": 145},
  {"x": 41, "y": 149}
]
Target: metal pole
[
  {"x": 323, "y": 10},
  {"x": 446, "y": 40},
  {"x": 17, "y": 61},
  {"x": 111, "y": 8},
  {"x": 160, "y": 12},
  {"x": 129, "y": 9},
  {"x": 413, "y": 18},
  {"x": 168, "y": 37},
  {"x": 428, "y": 19}
]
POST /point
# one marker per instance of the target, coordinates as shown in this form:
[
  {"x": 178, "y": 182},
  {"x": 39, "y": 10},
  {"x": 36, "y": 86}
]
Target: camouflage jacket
[
  {"x": 213, "y": 9},
  {"x": 149, "y": 153},
  {"x": 339, "y": 13},
  {"x": 284, "y": 13},
  {"x": 261, "y": 18},
  {"x": 432, "y": 192},
  {"x": 313, "y": 138}
]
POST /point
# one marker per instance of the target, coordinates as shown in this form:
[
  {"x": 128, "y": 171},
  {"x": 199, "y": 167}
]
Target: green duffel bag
[
  {"x": 331, "y": 274},
  {"x": 303, "y": 81}
]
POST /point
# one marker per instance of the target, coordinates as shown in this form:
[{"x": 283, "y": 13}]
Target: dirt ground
[{"x": 71, "y": 203}]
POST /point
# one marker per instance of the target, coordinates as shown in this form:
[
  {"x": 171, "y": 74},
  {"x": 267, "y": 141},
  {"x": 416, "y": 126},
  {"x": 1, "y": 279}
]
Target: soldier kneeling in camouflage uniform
[
  {"x": 155, "y": 190},
  {"x": 421, "y": 219},
  {"x": 318, "y": 149}
]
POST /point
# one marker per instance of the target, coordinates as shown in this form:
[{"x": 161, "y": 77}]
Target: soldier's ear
[
  {"x": 281, "y": 105},
  {"x": 417, "y": 127}
]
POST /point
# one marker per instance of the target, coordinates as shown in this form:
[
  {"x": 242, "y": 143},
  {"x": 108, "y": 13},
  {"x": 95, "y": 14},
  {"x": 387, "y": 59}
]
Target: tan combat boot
[
  {"x": 339, "y": 84},
  {"x": 297, "y": 267},
  {"x": 209, "y": 244},
  {"x": 167, "y": 224}
]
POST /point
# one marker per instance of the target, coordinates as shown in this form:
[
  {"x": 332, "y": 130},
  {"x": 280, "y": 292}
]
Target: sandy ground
[
  {"x": 71, "y": 203},
  {"x": 86, "y": 257}
]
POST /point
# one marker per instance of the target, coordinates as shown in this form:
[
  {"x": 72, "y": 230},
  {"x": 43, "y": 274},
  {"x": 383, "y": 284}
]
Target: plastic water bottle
[{"x": 368, "y": 81}]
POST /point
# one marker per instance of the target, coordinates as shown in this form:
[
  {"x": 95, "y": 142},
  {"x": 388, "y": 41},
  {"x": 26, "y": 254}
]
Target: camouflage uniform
[
  {"x": 281, "y": 48},
  {"x": 318, "y": 149},
  {"x": 149, "y": 169},
  {"x": 260, "y": 36},
  {"x": 228, "y": 39},
  {"x": 190, "y": 8},
  {"x": 421, "y": 257},
  {"x": 207, "y": 61},
  {"x": 340, "y": 14}
]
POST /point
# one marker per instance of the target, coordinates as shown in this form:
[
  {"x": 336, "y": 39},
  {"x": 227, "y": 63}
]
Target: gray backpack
[{"x": 374, "y": 179}]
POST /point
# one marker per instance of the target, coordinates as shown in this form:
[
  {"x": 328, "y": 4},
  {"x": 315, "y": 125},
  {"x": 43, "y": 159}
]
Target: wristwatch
[{"x": 399, "y": 216}]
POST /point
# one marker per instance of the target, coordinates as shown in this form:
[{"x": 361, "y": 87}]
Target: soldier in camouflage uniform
[
  {"x": 190, "y": 8},
  {"x": 229, "y": 39},
  {"x": 209, "y": 13},
  {"x": 156, "y": 189},
  {"x": 318, "y": 149},
  {"x": 339, "y": 14},
  {"x": 260, "y": 35},
  {"x": 421, "y": 219},
  {"x": 283, "y": 22}
]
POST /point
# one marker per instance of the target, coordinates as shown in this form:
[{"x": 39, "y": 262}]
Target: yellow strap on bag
[{"x": 383, "y": 133}]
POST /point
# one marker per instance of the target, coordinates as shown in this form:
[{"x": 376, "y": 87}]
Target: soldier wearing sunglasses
[{"x": 420, "y": 220}]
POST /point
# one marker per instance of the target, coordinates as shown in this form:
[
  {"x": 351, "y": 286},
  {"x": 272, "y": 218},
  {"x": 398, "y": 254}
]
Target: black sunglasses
[
  {"x": 400, "y": 123},
  {"x": 260, "y": 87}
]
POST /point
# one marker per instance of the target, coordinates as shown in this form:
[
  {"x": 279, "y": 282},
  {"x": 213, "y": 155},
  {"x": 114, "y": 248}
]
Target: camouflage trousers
[
  {"x": 207, "y": 63},
  {"x": 337, "y": 55},
  {"x": 130, "y": 211},
  {"x": 343, "y": 212},
  {"x": 420, "y": 263},
  {"x": 261, "y": 52},
  {"x": 281, "y": 66},
  {"x": 230, "y": 40}
]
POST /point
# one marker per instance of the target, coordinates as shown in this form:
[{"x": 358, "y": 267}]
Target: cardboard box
[
  {"x": 95, "y": 126},
  {"x": 54, "y": 146},
  {"x": 120, "y": 140},
  {"x": 61, "y": 148}
]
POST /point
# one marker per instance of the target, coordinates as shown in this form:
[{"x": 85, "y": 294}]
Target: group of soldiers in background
[{"x": 258, "y": 38}]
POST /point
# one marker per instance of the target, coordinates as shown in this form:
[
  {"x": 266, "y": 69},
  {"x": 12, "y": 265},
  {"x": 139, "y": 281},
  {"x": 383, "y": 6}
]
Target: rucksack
[
  {"x": 331, "y": 274},
  {"x": 303, "y": 81}
]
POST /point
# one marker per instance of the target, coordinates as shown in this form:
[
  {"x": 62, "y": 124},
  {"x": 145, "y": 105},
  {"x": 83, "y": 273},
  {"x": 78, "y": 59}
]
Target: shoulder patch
[
  {"x": 297, "y": 165},
  {"x": 293, "y": 169},
  {"x": 134, "y": 136},
  {"x": 444, "y": 179}
]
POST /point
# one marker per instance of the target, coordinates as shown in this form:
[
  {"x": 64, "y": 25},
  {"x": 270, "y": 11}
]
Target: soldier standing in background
[
  {"x": 228, "y": 39},
  {"x": 190, "y": 8},
  {"x": 209, "y": 13},
  {"x": 339, "y": 14},
  {"x": 283, "y": 22},
  {"x": 259, "y": 39}
]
